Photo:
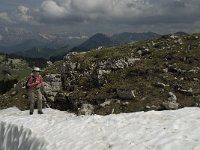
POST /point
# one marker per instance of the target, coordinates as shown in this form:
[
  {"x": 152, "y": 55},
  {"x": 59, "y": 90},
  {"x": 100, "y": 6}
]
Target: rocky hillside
[
  {"x": 151, "y": 75},
  {"x": 156, "y": 74}
]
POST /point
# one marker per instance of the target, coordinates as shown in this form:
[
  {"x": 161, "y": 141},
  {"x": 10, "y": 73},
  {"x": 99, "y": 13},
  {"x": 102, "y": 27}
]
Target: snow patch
[
  {"x": 166, "y": 130},
  {"x": 14, "y": 137}
]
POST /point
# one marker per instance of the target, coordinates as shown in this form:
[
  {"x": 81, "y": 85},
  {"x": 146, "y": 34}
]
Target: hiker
[{"x": 34, "y": 85}]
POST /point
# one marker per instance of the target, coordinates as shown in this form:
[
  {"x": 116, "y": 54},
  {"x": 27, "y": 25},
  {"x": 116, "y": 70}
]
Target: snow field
[{"x": 166, "y": 130}]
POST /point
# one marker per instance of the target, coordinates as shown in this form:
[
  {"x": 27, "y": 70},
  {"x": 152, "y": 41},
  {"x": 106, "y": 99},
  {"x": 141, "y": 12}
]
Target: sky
[{"x": 105, "y": 16}]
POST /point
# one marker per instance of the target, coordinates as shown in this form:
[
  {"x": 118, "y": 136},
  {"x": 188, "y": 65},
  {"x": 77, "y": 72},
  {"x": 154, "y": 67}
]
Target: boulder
[
  {"x": 172, "y": 97},
  {"x": 119, "y": 64},
  {"x": 170, "y": 105},
  {"x": 197, "y": 101},
  {"x": 86, "y": 109}
]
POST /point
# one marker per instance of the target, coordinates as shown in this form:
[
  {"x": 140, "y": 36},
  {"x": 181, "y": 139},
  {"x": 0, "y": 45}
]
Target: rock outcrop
[{"x": 52, "y": 86}]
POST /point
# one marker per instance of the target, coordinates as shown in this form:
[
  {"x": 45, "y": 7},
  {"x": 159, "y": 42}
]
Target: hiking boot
[
  {"x": 30, "y": 113},
  {"x": 40, "y": 112}
]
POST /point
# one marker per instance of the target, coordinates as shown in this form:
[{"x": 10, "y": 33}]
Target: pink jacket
[{"x": 35, "y": 82}]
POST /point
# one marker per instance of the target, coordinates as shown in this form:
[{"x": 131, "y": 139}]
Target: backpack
[{"x": 26, "y": 85}]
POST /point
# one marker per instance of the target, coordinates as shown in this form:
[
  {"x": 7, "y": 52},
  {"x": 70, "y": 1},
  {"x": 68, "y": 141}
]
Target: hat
[{"x": 36, "y": 69}]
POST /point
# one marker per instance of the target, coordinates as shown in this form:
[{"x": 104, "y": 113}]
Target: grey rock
[
  {"x": 13, "y": 93},
  {"x": 132, "y": 61},
  {"x": 170, "y": 105},
  {"x": 102, "y": 72},
  {"x": 52, "y": 86},
  {"x": 186, "y": 92},
  {"x": 147, "y": 107},
  {"x": 162, "y": 85},
  {"x": 51, "y": 98},
  {"x": 143, "y": 51},
  {"x": 165, "y": 70},
  {"x": 56, "y": 86},
  {"x": 119, "y": 64},
  {"x": 172, "y": 97},
  {"x": 125, "y": 103},
  {"x": 197, "y": 100},
  {"x": 105, "y": 103},
  {"x": 86, "y": 109},
  {"x": 109, "y": 101}
]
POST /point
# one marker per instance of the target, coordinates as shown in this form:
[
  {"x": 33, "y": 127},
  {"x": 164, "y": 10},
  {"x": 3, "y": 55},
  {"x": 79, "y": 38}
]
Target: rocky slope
[
  {"x": 152, "y": 75},
  {"x": 157, "y": 74}
]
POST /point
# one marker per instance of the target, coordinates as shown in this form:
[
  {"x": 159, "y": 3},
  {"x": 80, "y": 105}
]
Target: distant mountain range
[
  {"x": 40, "y": 43},
  {"x": 127, "y": 37},
  {"x": 44, "y": 52},
  {"x": 15, "y": 40},
  {"x": 181, "y": 33},
  {"x": 36, "y": 52},
  {"x": 102, "y": 40},
  {"x": 54, "y": 47},
  {"x": 95, "y": 41},
  {"x": 41, "y": 48}
]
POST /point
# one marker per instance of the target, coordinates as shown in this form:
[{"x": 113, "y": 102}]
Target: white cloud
[
  {"x": 78, "y": 37},
  {"x": 23, "y": 10},
  {"x": 96, "y": 9},
  {"x": 23, "y": 14},
  {"x": 5, "y": 17},
  {"x": 52, "y": 9}
]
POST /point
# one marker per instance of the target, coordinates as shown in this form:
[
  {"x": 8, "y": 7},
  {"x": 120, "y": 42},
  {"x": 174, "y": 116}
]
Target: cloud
[
  {"x": 102, "y": 15},
  {"x": 5, "y": 17},
  {"x": 20, "y": 14},
  {"x": 23, "y": 14},
  {"x": 118, "y": 11},
  {"x": 78, "y": 37},
  {"x": 52, "y": 9},
  {"x": 93, "y": 10}
]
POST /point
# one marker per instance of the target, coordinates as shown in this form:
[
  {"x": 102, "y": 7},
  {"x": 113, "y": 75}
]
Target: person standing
[{"x": 34, "y": 85}]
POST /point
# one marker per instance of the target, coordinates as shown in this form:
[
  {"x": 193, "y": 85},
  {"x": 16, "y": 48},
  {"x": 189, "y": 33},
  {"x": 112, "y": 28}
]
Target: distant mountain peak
[
  {"x": 180, "y": 33},
  {"x": 97, "y": 40}
]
